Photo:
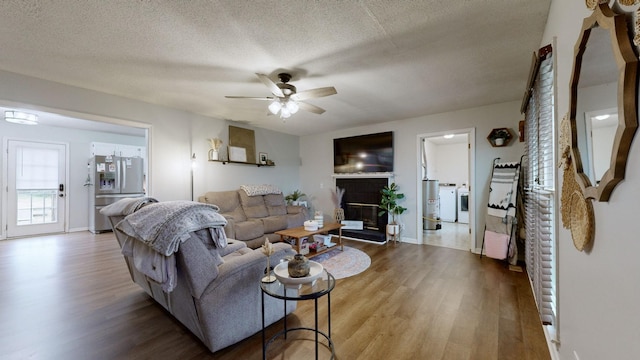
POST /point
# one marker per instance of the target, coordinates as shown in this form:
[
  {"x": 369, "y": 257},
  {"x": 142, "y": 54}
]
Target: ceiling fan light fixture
[
  {"x": 292, "y": 106},
  {"x": 19, "y": 117},
  {"x": 275, "y": 106},
  {"x": 285, "y": 113}
]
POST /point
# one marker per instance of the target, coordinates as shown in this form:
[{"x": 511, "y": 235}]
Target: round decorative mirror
[{"x": 603, "y": 100}]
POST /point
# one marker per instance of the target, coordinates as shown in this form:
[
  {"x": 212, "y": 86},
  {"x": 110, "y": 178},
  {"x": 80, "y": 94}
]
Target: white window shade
[
  {"x": 540, "y": 190},
  {"x": 36, "y": 169}
]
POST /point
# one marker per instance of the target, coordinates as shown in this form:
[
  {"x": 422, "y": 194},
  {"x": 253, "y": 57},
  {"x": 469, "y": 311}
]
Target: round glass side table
[{"x": 310, "y": 291}]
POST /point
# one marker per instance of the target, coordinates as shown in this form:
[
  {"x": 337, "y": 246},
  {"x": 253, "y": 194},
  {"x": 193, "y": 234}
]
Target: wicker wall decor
[
  {"x": 582, "y": 221},
  {"x": 628, "y": 2},
  {"x": 591, "y": 4},
  {"x": 576, "y": 210},
  {"x": 569, "y": 183}
]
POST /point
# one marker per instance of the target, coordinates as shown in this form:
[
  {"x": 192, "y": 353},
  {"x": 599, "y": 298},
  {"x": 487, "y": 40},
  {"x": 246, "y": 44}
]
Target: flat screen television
[{"x": 372, "y": 153}]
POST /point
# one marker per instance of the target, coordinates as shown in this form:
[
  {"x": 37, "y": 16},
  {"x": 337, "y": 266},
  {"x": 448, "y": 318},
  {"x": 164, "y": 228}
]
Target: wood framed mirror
[{"x": 604, "y": 86}]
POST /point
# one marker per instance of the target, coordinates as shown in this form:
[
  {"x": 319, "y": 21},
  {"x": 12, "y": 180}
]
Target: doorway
[
  {"x": 36, "y": 184},
  {"x": 75, "y": 189},
  {"x": 446, "y": 201}
]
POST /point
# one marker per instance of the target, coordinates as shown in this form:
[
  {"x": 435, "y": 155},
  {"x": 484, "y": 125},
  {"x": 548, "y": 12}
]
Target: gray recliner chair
[{"x": 217, "y": 294}]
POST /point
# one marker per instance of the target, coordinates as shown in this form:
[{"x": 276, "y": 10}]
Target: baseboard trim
[
  {"x": 362, "y": 240},
  {"x": 78, "y": 229}
]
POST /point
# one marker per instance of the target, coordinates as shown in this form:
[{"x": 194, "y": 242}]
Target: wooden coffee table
[{"x": 298, "y": 233}]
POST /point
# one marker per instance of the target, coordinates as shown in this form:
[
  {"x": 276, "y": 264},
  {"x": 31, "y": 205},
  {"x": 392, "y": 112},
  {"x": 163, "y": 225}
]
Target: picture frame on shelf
[
  {"x": 262, "y": 158},
  {"x": 238, "y": 154}
]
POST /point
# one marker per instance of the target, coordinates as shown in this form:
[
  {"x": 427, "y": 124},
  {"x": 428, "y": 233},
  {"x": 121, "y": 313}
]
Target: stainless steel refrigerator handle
[
  {"x": 123, "y": 176},
  {"x": 116, "y": 161}
]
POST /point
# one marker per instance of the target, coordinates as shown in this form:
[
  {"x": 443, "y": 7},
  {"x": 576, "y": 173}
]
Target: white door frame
[
  {"x": 473, "y": 247},
  {"x": 5, "y": 181}
]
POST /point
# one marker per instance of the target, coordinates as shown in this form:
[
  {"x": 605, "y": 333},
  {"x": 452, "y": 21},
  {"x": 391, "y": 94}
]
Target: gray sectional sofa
[
  {"x": 254, "y": 213},
  {"x": 209, "y": 283}
]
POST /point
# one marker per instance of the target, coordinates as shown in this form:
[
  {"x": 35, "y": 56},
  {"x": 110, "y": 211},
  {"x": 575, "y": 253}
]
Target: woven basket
[
  {"x": 582, "y": 221},
  {"x": 628, "y": 2},
  {"x": 569, "y": 186}
]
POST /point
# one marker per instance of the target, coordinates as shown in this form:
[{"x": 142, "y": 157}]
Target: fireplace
[{"x": 360, "y": 203}]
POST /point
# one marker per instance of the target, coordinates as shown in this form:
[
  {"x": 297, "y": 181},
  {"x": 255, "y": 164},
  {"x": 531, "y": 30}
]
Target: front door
[{"x": 36, "y": 173}]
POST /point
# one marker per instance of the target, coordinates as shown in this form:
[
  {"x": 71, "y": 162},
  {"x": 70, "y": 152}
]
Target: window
[
  {"x": 539, "y": 171},
  {"x": 36, "y": 185}
]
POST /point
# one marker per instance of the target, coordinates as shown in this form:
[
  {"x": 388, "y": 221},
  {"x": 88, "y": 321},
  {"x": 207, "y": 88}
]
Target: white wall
[
  {"x": 316, "y": 172},
  {"x": 171, "y": 133},
  {"x": 452, "y": 161},
  {"x": 599, "y": 292},
  {"x": 283, "y": 149}
]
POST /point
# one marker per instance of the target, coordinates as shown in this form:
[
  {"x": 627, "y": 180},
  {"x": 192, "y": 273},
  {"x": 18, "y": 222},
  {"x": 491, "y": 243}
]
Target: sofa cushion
[
  {"x": 253, "y": 206},
  {"x": 228, "y": 202},
  {"x": 247, "y": 230},
  {"x": 275, "y": 204},
  {"x": 200, "y": 266},
  {"x": 233, "y": 246},
  {"x": 295, "y": 220},
  {"x": 274, "y": 223}
]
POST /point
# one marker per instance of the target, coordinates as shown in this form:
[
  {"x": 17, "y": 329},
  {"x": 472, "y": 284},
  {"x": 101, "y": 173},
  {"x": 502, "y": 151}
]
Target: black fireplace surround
[{"x": 360, "y": 202}]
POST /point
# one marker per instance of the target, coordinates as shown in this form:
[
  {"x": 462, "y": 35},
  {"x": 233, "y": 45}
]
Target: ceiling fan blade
[
  {"x": 310, "y": 108},
  {"x": 275, "y": 90},
  {"x": 250, "y": 97},
  {"x": 314, "y": 93}
]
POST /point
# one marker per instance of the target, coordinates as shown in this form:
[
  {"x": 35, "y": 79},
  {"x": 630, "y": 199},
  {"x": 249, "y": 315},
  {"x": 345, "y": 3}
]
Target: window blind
[{"x": 540, "y": 187}]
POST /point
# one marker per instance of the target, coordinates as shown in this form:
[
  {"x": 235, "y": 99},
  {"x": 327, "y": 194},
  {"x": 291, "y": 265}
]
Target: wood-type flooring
[{"x": 70, "y": 297}]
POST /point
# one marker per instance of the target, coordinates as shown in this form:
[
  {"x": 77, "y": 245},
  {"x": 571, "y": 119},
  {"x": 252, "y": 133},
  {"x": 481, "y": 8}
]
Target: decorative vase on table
[
  {"x": 215, "y": 144},
  {"x": 298, "y": 266},
  {"x": 338, "y": 215}
]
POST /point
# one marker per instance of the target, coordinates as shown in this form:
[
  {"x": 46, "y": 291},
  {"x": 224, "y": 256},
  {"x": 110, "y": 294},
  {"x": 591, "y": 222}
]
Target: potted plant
[
  {"x": 294, "y": 197},
  {"x": 389, "y": 204},
  {"x": 500, "y": 137}
]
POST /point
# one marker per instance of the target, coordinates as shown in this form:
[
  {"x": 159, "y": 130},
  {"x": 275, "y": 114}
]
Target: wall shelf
[
  {"x": 500, "y": 133},
  {"x": 224, "y": 162}
]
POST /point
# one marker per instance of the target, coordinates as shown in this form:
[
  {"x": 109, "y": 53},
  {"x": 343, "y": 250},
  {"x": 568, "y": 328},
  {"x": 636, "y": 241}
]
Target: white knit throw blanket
[{"x": 164, "y": 225}]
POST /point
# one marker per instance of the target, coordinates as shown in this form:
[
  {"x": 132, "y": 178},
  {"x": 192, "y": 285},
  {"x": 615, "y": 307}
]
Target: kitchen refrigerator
[{"x": 112, "y": 178}]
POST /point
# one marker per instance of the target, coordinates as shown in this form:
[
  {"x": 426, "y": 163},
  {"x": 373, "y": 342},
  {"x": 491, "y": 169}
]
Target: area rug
[{"x": 342, "y": 264}]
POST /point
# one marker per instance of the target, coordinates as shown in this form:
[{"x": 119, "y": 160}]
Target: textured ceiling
[{"x": 388, "y": 60}]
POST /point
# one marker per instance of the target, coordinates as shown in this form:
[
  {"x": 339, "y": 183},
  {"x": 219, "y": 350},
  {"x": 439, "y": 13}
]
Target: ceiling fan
[{"x": 286, "y": 99}]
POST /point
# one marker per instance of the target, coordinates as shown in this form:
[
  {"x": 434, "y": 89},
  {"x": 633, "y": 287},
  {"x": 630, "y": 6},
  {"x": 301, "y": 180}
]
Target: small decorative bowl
[{"x": 282, "y": 274}]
